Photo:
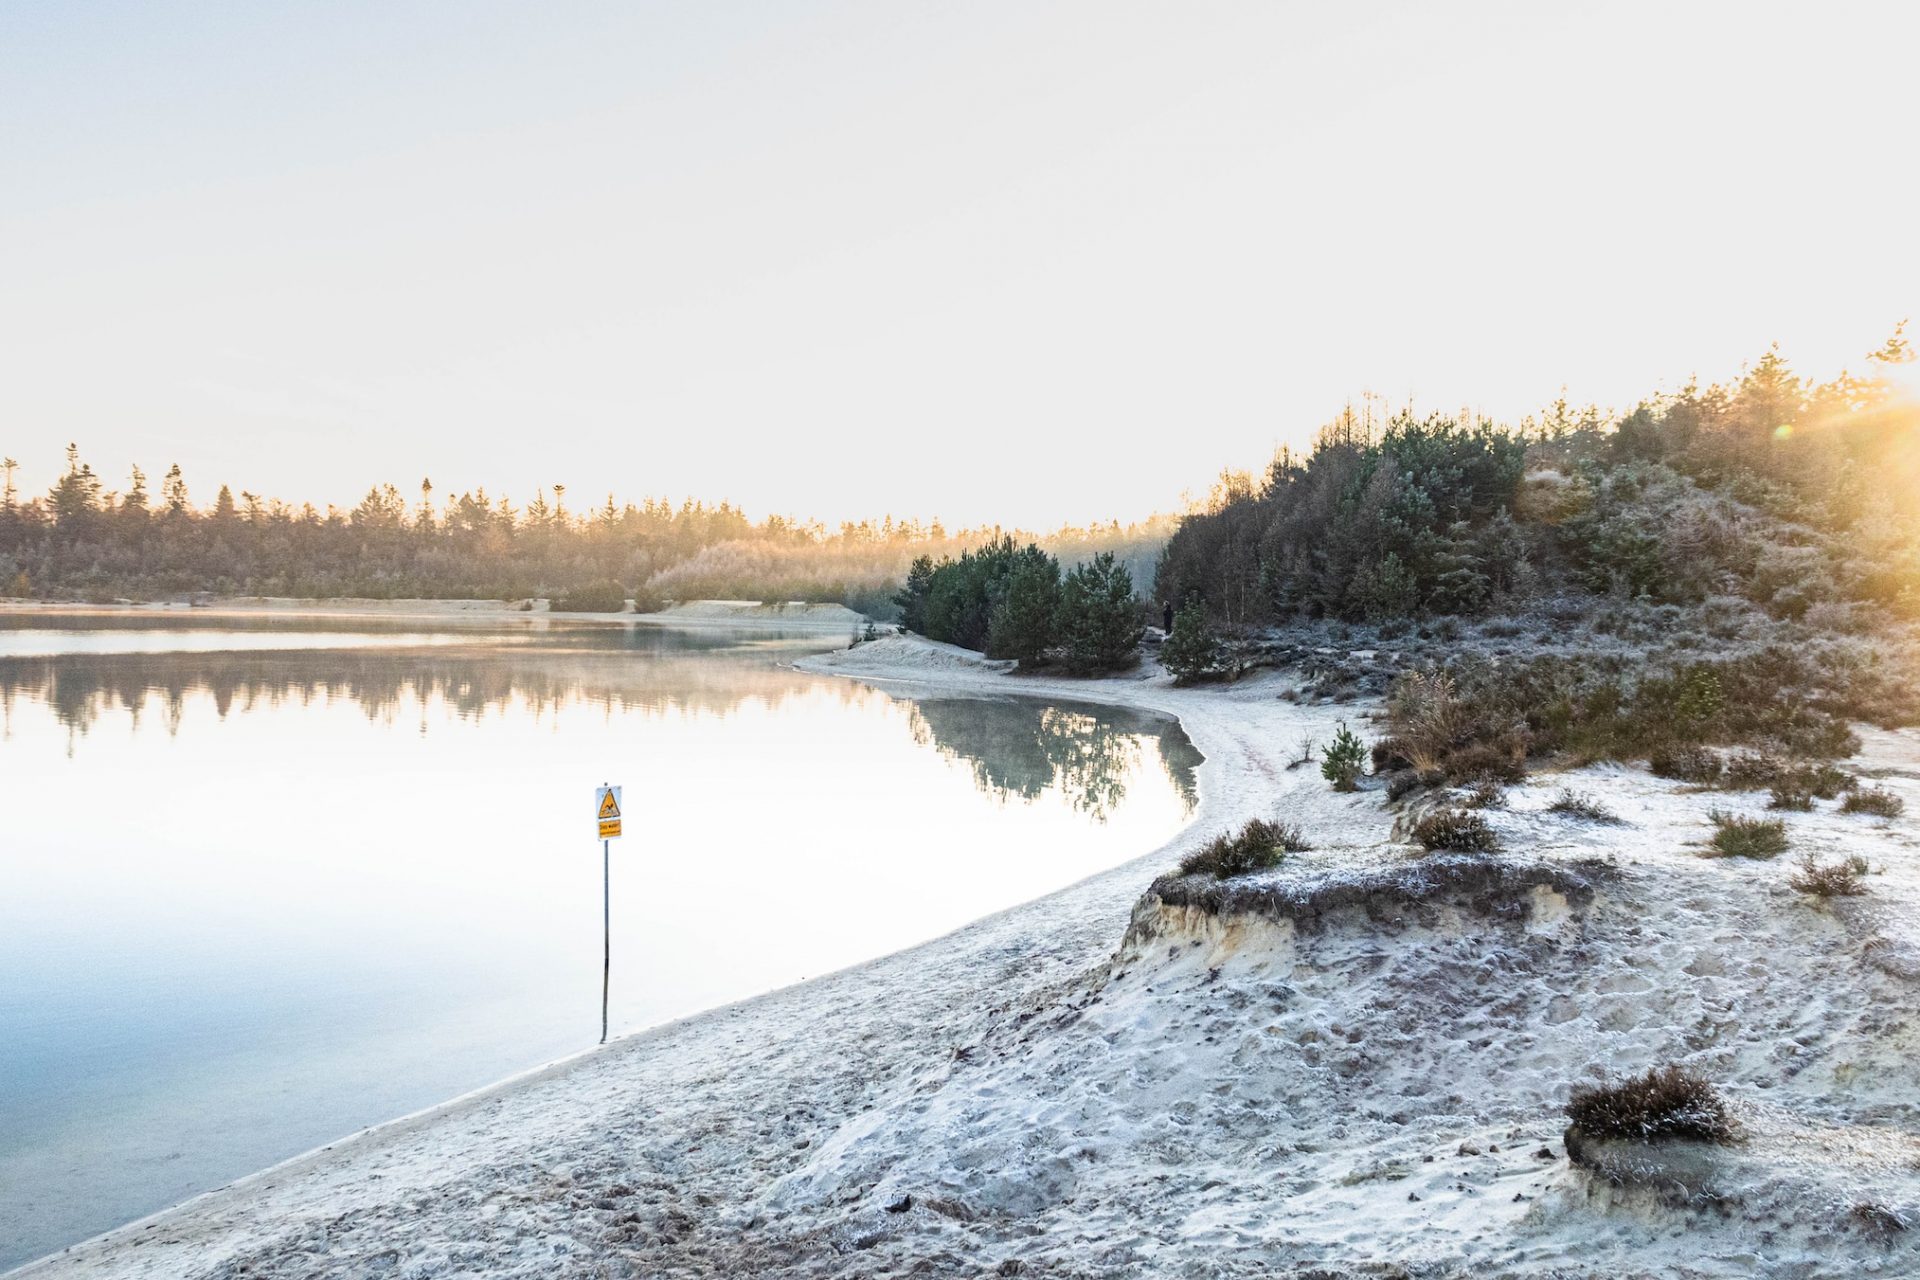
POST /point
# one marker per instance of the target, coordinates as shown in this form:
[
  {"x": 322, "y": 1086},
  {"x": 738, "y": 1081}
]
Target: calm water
[{"x": 266, "y": 881}]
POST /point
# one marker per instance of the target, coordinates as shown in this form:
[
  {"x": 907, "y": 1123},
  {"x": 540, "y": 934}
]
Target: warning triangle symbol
[{"x": 609, "y": 807}]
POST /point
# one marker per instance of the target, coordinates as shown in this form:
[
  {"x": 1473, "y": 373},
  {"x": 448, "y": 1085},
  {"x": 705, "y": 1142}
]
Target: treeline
[
  {"x": 1795, "y": 495},
  {"x": 84, "y": 541},
  {"x": 1012, "y": 601}
]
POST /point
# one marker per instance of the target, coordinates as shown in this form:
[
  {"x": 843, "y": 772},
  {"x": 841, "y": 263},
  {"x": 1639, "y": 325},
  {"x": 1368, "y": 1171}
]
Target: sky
[{"x": 1024, "y": 263}]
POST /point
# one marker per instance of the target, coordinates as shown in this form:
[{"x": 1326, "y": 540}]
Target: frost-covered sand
[{"x": 1351, "y": 1066}]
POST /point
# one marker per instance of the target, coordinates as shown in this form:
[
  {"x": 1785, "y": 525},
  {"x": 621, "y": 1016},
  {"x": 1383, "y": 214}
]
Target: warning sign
[{"x": 606, "y": 803}]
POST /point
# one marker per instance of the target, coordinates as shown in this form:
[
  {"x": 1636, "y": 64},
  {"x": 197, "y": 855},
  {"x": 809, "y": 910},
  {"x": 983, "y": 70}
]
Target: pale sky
[{"x": 1027, "y": 263}]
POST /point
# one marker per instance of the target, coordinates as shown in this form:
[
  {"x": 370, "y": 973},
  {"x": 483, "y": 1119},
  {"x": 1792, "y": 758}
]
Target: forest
[
  {"x": 84, "y": 541},
  {"x": 1798, "y": 497}
]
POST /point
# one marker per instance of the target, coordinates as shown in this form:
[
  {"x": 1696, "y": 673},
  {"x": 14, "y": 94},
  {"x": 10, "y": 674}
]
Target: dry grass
[
  {"x": 1787, "y": 796},
  {"x": 1575, "y": 804},
  {"x": 1843, "y": 879},
  {"x": 1258, "y": 846},
  {"x": 1662, "y": 1105}
]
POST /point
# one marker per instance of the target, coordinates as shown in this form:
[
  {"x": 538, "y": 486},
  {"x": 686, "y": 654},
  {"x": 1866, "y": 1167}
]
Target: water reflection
[
  {"x": 1018, "y": 749},
  {"x": 1014, "y": 748}
]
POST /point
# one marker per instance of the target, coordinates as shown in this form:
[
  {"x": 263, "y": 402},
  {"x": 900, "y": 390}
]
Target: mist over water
[{"x": 271, "y": 880}]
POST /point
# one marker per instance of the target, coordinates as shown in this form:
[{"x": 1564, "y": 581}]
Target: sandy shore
[{"x": 690, "y": 1126}]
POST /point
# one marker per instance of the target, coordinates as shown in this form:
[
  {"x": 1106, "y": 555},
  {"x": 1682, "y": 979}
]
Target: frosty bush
[
  {"x": 1575, "y": 804},
  {"x": 1255, "y": 847},
  {"x": 1456, "y": 831},
  {"x": 1875, "y": 801},
  {"x": 1662, "y": 1105},
  {"x": 1843, "y": 879},
  {"x": 1738, "y": 837}
]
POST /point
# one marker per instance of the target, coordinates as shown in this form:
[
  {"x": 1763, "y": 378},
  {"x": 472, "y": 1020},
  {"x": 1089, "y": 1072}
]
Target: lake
[{"x": 269, "y": 879}]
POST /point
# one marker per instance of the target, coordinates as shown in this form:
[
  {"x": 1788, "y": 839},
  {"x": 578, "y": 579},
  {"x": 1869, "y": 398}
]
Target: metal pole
[{"x": 606, "y": 921}]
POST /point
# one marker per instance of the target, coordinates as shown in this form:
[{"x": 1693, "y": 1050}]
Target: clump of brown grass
[{"x": 1664, "y": 1104}]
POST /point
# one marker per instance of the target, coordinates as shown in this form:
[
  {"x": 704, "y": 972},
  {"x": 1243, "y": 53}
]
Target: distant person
[{"x": 1166, "y": 617}]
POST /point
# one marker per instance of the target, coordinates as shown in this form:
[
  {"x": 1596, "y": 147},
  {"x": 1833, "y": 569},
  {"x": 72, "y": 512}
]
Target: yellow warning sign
[{"x": 606, "y": 804}]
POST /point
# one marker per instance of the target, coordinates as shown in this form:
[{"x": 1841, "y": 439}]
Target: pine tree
[
  {"x": 1099, "y": 622},
  {"x": 912, "y": 599},
  {"x": 1192, "y": 650},
  {"x": 1022, "y": 621}
]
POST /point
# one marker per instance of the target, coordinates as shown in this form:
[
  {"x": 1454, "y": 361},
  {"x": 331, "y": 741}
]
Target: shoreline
[{"x": 247, "y": 1214}]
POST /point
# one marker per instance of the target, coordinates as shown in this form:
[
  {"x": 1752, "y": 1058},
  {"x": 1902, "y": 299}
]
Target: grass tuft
[{"x": 1576, "y": 804}]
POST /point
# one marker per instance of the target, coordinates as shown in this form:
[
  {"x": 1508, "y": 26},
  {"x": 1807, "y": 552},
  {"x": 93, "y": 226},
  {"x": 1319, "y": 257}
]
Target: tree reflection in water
[
  {"x": 386, "y": 684},
  {"x": 1019, "y": 748}
]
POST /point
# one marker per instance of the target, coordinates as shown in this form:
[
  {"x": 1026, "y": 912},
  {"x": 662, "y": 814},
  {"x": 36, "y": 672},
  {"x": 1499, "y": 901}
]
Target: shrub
[
  {"x": 1664, "y": 1104},
  {"x": 1685, "y": 764},
  {"x": 1343, "y": 759},
  {"x": 1843, "y": 879},
  {"x": 1192, "y": 649},
  {"x": 1874, "y": 800},
  {"x": 1484, "y": 795},
  {"x": 1738, "y": 837},
  {"x": 1098, "y": 621},
  {"x": 1255, "y": 847},
  {"x": 1456, "y": 831},
  {"x": 600, "y": 597},
  {"x": 1788, "y": 796},
  {"x": 1575, "y": 804}
]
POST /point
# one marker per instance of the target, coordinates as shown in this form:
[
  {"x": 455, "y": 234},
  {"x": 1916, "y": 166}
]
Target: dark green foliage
[
  {"x": 1345, "y": 756},
  {"x": 1021, "y": 624},
  {"x": 599, "y": 597},
  {"x": 1192, "y": 650},
  {"x": 1099, "y": 621},
  {"x": 1735, "y": 836},
  {"x": 912, "y": 598},
  {"x": 1455, "y": 831},
  {"x": 1364, "y": 529},
  {"x": 962, "y": 597},
  {"x": 1660, "y": 1106},
  {"x": 1874, "y": 800},
  {"x": 1255, "y": 847}
]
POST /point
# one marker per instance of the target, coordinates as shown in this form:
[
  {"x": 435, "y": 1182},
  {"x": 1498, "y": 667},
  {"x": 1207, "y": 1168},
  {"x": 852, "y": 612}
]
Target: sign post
[{"x": 606, "y": 803}]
